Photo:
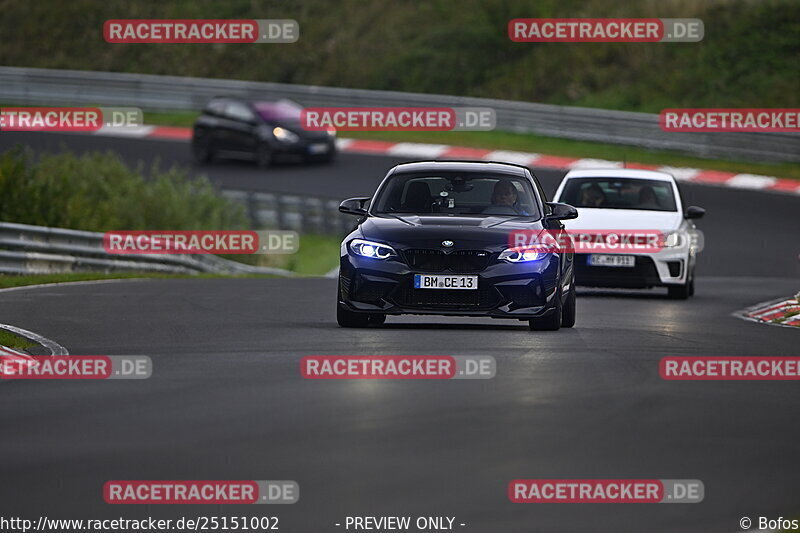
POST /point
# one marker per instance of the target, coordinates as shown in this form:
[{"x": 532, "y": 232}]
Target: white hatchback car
[{"x": 634, "y": 200}]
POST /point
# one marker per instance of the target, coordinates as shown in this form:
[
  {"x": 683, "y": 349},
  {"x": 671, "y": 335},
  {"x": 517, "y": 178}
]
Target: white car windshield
[{"x": 620, "y": 193}]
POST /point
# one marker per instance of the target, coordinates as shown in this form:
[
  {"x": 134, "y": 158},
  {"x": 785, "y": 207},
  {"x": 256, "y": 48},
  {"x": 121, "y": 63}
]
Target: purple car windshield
[{"x": 278, "y": 111}]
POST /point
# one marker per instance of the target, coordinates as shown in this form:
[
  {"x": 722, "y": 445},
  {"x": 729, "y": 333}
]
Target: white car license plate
[
  {"x": 318, "y": 148},
  {"x": 427, "y": 281},
  {"x": 611, "y": 260}
]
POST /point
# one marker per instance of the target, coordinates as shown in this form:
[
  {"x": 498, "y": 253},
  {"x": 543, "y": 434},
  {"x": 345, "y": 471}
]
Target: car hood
[
  {"x": 415, "y": 231},
  {"x": 632, "y": 219}
]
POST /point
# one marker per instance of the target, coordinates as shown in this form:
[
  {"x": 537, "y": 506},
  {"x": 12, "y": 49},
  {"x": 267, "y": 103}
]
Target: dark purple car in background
[{"x": 265, "y": 131}]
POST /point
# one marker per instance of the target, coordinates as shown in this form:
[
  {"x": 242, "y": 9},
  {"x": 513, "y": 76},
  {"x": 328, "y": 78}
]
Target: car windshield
[
  {"x": 462, "y": 193},
  {"x": 619, "y": 193},
  {"x": 280, "y": 111}
]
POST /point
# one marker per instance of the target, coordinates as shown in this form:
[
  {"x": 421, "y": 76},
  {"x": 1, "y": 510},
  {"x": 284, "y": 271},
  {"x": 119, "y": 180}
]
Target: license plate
[
  {"x": 319, "y": 148},
  {"x": 611, "y": 260},
  {"x": 426, "y": 281}
]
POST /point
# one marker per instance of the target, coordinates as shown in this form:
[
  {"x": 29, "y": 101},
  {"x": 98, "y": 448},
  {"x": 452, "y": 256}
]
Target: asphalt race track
[{"x": 226, "y": 400}]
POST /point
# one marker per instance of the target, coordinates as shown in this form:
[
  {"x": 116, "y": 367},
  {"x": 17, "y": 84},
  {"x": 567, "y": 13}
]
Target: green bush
[
  {"x": 98, "y": 192},
  {"x": 749, "y": 56}
]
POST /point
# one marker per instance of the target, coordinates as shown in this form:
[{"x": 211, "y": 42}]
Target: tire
[
  {"x": 551, "y": 322},
  {"x": 680, "y": 292},
  {"x": 331, "y": 158},
  {"x": 349, "y": 319},
  {"x": 202, "y": 151},
  {"x": 264, "y": 156},
  {"x": 377, "y": 319},
  {"x": 568, "y": 313}
]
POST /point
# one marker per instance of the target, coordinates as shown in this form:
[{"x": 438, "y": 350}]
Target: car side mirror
[
  {"x": 694, "y": 212},
  {"x": 561, "y": 211},
  {"x": 354, "y": 206}
]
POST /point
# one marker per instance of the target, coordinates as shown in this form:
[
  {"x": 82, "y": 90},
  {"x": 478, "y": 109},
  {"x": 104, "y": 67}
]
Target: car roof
[
  {"x": 496, "y": 167},
  {"x": 634, "y": 173}
]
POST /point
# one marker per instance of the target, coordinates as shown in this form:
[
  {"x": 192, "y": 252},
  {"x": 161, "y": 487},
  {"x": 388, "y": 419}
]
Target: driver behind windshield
[
  {"x": 592, "y": 196},
  {"x": 505, "y": 195}
]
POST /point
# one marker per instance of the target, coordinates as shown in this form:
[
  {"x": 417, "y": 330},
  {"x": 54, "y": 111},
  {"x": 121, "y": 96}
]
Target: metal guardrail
[
  {"x": 64, "y": 87},
  {"x": 303, "y": 214},
  {"x": 26, "y": 249}
]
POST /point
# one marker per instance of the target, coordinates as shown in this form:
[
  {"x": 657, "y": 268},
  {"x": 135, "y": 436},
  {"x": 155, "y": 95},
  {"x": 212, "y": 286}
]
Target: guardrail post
[
  {"x": 290, "y": 216},
  {"x": 313, "y": 215},
  {"x": 265, "y": 210},
  {"x": 241, "y": 198}
]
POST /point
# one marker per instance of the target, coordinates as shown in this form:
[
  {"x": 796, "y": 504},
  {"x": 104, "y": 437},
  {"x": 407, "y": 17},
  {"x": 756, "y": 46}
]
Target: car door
[
  {"x": 240, "y": 125},
  {"x": 207, "y": 127}
]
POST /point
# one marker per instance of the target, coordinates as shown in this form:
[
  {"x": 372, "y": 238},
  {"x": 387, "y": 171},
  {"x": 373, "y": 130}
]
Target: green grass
[
  {"x": 12, "y": 340},
  {"x": 183, "y": 119},
  {"x": 317, "y": 255}
]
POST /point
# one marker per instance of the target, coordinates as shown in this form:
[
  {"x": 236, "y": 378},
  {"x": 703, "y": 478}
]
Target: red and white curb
[
  {"x": 443, "y": 151},
  {"x": 685, "y": 174},
  {"x": 774, "y": 312}
]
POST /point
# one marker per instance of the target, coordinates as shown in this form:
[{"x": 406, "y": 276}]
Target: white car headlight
[
  {"x": 371, "y": 249},
  {"x": 672, "y": 239},
  {"x": 523, "y": 255},
  {"x": 282, "y": 134}
]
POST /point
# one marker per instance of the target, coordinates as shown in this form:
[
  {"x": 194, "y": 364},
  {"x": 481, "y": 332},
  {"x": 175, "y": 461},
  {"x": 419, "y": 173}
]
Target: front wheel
[
  {"x": 349, "y": 319},
  {"x": 202, "y": 151},
  {"x": 682, "y": 292},
  {"x": 550, "y": 322},
  {"x": 568, "y": 314},
  {"x": 264, "y": 155}
]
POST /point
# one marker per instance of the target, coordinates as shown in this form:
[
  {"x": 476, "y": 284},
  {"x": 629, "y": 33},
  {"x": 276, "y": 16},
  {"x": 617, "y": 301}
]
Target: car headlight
[
  {"x": 371, "y": 249},
  {"x": 282, "y": 134},
  {"x": 523, "y": 255},
  {"x": 671, "y": 240}
]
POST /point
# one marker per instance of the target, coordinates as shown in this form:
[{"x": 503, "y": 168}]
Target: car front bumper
[
  {"x": 505, "y": 290},
  {"x": 660, "y": 269},
  {"x": 305, "y": 148}
]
